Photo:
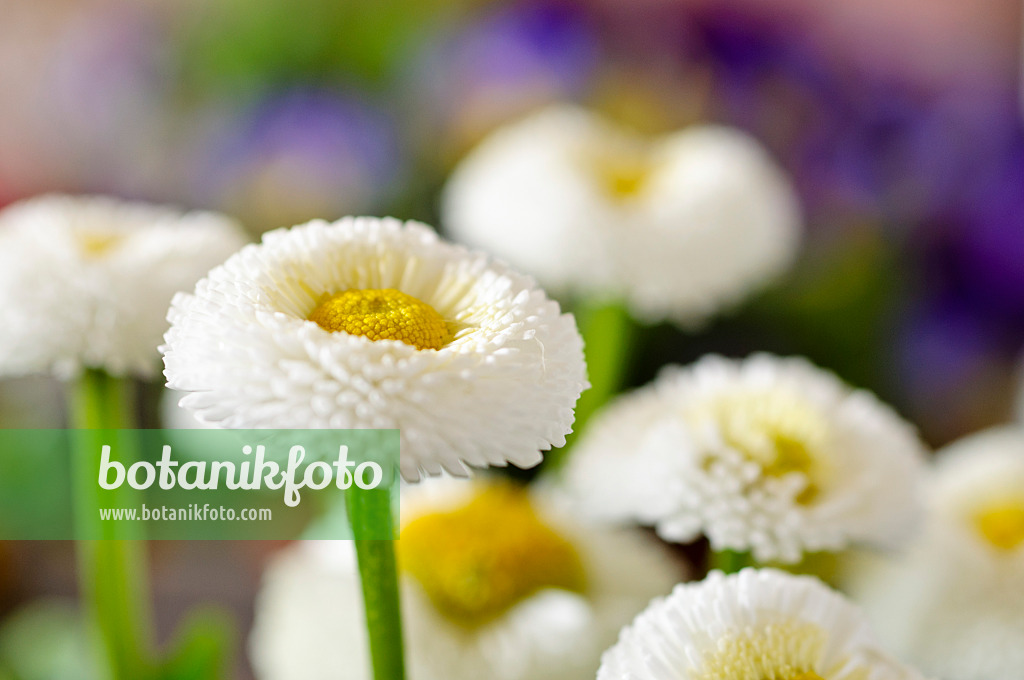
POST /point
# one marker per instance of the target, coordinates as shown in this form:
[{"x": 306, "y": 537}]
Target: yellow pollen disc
[
  {"x": 1002, "y": 524},
  {"x": 385, "y": 314},
  {"x": 621, "y": 170},
  {"x": 97, "y": 243},
  {"x": 781, "y": 433},
  {"x": 787, "y": 650},
  {"x": 624, "y": 179},
  {"x": 477, "y": 561}
]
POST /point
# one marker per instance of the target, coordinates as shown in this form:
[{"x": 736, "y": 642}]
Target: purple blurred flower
[
  {"x": 939, "y": 166},
  {"x": 86, "y": 104},
  {"x": 986, "y": 248},
  {"x": 502, "y": 65},
  {"x": 299, "y": 155},
  {"x": 954, "y": 367}
]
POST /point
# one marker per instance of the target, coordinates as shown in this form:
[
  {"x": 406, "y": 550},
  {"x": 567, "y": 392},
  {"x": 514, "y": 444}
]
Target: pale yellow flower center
[
  {"x": 1002, "y": 523},
  {"x": 477, "y": 561},
  {"x": 384, "y": 314},
  {"x": 780, "y": 432},
  {"x": 781, "y": 651},
  {"x": 621, "y": 169},
  {"x": 624, "y": 177},
  {"x": 95, "y": 243}
]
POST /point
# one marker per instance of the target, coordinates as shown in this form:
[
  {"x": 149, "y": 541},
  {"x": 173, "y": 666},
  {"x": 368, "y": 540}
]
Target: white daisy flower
[
  {"x": 372, "y": 323},
  {"x": 85, "y": 281},
  {"x": 496, "y": 584},
  {"x": 755, "y": 624},
  {"x": 768, "y": 455},
  {"x": 678, "y": 226},
  {"x": 953, "y": 603}
]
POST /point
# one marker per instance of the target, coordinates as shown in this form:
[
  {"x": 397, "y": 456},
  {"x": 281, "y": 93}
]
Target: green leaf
[{"x": 202, "y": 649}]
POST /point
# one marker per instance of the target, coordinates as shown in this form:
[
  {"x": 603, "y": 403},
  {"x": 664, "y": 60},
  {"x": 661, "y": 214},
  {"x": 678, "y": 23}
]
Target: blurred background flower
[
  {"x": 85, "y": 281},
  {"x": 84, "y": 97},
  {"x": 476, "y": 75},
  {"x": 677, "y": 226},
  {"x": 294, "y": 156},
  {"x": 953, "y": 602}
]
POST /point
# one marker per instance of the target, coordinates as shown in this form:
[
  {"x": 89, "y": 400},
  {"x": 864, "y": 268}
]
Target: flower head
[
  {"x": 678, "y": 226},
  {"x": 953, "y": 602},
  {"x": 372, "y": 323},
  {"x": 762, "y": 624},
  {"x": 497, "y": 582},
  {"x": 769, "y": 455},
  {"x": 85, "y": 281}
]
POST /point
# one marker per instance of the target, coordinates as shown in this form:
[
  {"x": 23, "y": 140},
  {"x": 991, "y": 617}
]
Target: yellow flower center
[
  {"x": 385, "y": 314},
  {"x": 98, "y": 243},
  {"x": 621, "y": 169},
  {"x": 781, "y": 651},
  {"x": 780, "y": 432},
  {"x": 624, "y": 179},
  {"x": 1002, "y": 524},
  {"x": 477, "y": 561}
]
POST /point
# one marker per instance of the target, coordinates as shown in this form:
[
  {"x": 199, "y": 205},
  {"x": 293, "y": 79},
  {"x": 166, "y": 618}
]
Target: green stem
[
  {"x": 112, "y": 559},
  {"x": 607, "y": 330},
  {"x": 728, "y": 561},
  {"x": 370, "y": 515}
]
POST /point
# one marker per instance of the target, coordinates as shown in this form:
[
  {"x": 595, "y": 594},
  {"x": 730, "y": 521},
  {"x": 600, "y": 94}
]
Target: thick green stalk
[
  {"x": 729, "y": 561},
  {"x": 111, "y": 556},
  {"x": 607, "y": 330},
  {"x": 370, "y": 515}
]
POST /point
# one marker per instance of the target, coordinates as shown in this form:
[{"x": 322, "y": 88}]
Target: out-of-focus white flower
[
  {"x": 679, "y": 226},
  {"x": 496, "y": 584},
  {"x": 755, "y": 624},
  {"x": 372, "y": 323},
  {"x": 769, "y": 455},
  {"x": 85, "y": 281},
  {"x": 953, "y": 603}
]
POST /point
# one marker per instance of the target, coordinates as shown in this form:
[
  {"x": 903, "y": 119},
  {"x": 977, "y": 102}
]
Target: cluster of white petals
[
  {"x": 953, "y": 602},
  {"x": 755, "y": 624},
  {"x": 768, "y": 455},
  {"x": 85, "y": 281},
  {"x": 309, "y": 623},
  {"x": 679, "y": 226},
  {"x": 500, "y": 390}
]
